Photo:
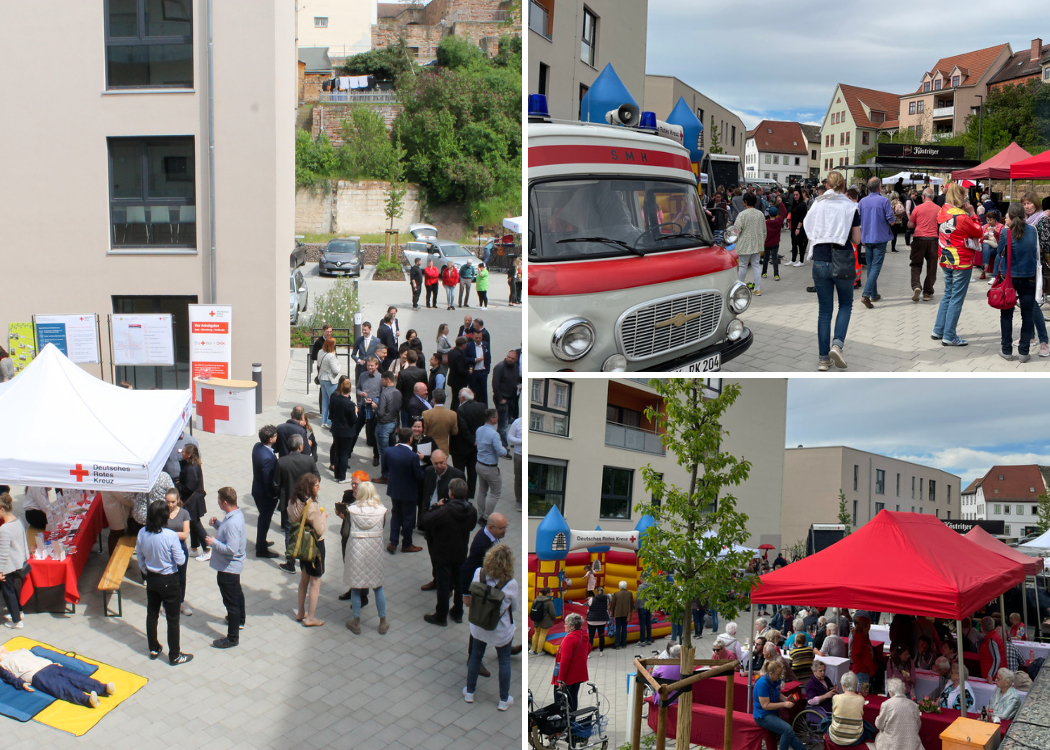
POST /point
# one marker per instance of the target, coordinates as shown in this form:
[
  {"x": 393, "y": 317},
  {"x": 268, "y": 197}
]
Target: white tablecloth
[
  {"x": 836, "y": 666},
  {"x": 1031, "y": 650},
  {"x": 926, "y": 683},
  {"x": 879, "y": 633}
]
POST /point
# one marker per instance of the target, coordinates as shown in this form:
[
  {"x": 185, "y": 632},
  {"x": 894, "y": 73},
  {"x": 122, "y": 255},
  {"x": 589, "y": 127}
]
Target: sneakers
[
  {"x": 799, "y": 264},
  {"x": 154, "y": 654},
  {"x": 750, "y": 285},
  {"x": 915, "y": 294},
  {"x": 181, "y": 659},
  {"x": 1022, "y": 358},
  {"x": 205, "y": 557},
  {"x": 823, "y": 365},
  {"x": 757, "y": 292},
  {"x": 1008, "y": 357},
  {"x": 468, "y": 697},
  {"x": 836, "y": 356},
  {"x": 111, "y": 687},
  {"x": 504, "y": 705},
  {"x": 955, "y": 342},
  {"x": 763, "y": 276},
  {"x": 223, "y": 643},
  {"x": 1044, "y": 350},
  {"x": 20, "y": 625},
  {"x": 776, "y": 278},
  {"x": 288, "y": 567},
  {"x": 185, "y": 610}
]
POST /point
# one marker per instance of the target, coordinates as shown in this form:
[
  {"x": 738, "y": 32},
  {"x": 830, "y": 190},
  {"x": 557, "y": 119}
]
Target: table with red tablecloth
[
  {"x": 708, "y": 727},
  {"x": 712, "y": 691},
  {"x": 932, "y": 724},
  {"x": 47, "y": 572}
]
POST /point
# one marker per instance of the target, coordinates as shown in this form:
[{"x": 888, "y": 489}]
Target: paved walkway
[
  {"x": 892, "y": 337},
  {"x": 285, "y": 686}
]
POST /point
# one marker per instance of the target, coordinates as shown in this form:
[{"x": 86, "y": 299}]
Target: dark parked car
[
  {"x": 342, "y": 257},
  {"x": 299, "y": 253}
]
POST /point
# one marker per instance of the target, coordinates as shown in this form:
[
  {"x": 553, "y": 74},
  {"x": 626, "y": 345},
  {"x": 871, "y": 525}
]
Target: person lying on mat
[{"x": 24, "y": 670}]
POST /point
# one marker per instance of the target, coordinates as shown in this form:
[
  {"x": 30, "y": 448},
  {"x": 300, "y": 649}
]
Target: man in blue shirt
[
  {"x": 228, "y": 550},
  {"x": 490, "y": 449},
  {"x": 159, "y": 552},
  {"x": 876, "y": 220}
]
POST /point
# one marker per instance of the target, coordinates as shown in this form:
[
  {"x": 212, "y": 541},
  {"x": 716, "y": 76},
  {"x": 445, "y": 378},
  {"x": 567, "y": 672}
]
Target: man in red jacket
[{"x": 992, "y": 651}]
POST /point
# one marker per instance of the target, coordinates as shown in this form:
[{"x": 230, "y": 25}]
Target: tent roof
[
  {"x": 74, "y": 430},
  {"x": 996, "y": 168},
  {"x": 909, "y": 563},
  {"x": 1040, "y": 542},
  {"x": 977, "y": 535},
  {"x": 1034, "y": 168},
  {"x": 515, "y": 224},
  {"x": 906, "y": 176}
]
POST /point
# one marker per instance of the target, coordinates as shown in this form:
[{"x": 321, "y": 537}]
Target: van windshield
[{"x": 609, "y": 217}]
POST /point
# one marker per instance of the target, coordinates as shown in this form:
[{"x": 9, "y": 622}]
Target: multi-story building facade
[
  {"x": 813, "y": 138},
  {"x": 662, "y": 94},
  {"x": 776, "y": 150},
  {"x": 572, "y": 41},
  {"x": 813, "y": 478},
  {"x": 344, "y": 27},
  {"x": 1023, "y": 66},
  {"x": 855, "y": 118},
  {"x": 589, "y": 439},
  {"x": 129, "y": 133},
  {"x": 1009, "y": 494},
  {"x": 481, "y": 22},
  {"x": 949, "y": 92}
]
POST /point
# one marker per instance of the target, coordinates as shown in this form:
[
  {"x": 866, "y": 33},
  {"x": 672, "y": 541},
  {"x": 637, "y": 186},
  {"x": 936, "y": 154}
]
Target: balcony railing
[
  {"x": 632, "y": 439},
  {"x": 944, "y": 112},
  {"x": 360, "y": 97}
]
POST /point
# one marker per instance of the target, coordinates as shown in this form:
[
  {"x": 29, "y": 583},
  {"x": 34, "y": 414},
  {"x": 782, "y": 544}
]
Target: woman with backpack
[
  {"x": 598, "y": 618},
  {"x": 542, "y": 615},
  {"x": 496, "y": 574}
]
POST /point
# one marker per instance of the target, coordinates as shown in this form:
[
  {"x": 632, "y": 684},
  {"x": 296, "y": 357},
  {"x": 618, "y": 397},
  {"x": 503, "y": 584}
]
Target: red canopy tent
[
  {"x": 996, "y": 168},
  {"x": 1034, "y": 168},
  {"x": 977, "y": 535}
]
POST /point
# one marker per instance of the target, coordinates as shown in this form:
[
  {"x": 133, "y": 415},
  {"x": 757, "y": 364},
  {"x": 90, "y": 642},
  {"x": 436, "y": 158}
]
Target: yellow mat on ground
[{"x": 77, "y": 720}]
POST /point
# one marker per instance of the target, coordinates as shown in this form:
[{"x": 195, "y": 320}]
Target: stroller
[{"x": 554, "y": 723}]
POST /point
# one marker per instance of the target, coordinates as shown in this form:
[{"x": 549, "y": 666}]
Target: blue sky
[
  {"x": 960, "y": 425},
  {"x": 781, "y": 61}
]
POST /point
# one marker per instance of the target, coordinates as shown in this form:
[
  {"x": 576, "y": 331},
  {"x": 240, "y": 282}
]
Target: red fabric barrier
[
  {"x": 44, "y": 573},
  {"x": 708, "y": 728},
  {"x": 932, "y": 724},
  {"x": 712, "y": 692}
]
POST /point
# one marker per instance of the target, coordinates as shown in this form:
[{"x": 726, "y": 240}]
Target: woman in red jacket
[
  {"x": 430, "y": 280},
  {"x": 570, "y": 668},
  {"x": 450, "y": 279},
  {"x": 959, "y": 236},
  {"x": 862, "y": 661}
]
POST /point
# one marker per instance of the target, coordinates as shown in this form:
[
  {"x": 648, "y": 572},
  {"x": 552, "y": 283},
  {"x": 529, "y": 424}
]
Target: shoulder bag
[
  {"x": 303, "y": 546},
  {"x": 1002, "y": 295}
]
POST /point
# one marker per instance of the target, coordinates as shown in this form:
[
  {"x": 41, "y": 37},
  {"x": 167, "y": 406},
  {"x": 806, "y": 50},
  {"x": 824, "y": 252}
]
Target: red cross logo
[
  {"x": 631, "y": 538},
  {"x": 209, "y": 411},
  {"x": 212, "y": 313},
  {"x": 80, "y": 472}
]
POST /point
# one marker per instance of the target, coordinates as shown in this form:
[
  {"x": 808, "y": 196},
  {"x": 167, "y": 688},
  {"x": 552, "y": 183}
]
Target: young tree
[
  {"x": 689, "y": 550},
  {"x": 1044, "y": 513},
  {"x": 714, "y": 147},
  {"x": 844, "y": 516},
  {"x": 395, "y": 194}
]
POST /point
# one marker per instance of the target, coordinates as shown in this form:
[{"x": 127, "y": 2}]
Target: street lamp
[{"x": 980, "y": 118}]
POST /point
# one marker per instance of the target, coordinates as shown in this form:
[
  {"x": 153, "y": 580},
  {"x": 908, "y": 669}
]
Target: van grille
[{"x": 640, "y": 338}]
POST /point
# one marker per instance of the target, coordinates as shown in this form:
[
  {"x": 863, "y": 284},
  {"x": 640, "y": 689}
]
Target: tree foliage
[
  {"x": 844, "y": 516},
  {"x": 713, "y": 145},
  {"x": 1044, "y": 513},
  {"x": 386, "y": 64},
  {"x": 315, "y": 160},
  {"x": 367, "y": 152}
]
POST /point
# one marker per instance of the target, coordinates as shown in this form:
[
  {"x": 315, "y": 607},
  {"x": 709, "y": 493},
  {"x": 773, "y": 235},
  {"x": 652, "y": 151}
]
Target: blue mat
[
  {"x": 23, "y": 706},
  {"x": 67, "y": 662}
]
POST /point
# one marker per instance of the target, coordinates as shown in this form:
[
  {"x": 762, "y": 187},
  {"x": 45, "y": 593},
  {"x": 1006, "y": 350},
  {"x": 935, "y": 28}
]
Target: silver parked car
[
  {"x": 298, "y": 294},
  {"x": 342, "y": 257},
  {"x": 428, "y": 247}
]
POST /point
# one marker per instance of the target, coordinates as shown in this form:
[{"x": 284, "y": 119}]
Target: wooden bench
[{"x": 113, "y": 576}]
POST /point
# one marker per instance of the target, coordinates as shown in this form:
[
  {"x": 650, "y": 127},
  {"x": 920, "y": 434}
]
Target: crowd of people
[{"x": 457, "y": 281}]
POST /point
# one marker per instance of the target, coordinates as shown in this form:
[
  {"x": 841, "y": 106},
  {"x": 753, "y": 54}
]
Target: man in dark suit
[
  {"x": 477, "y": 352},
  {"x": 406, "y": 383},
  {"x": 417, "y": 404},
  {"x": 364, "y": 348},
  {"x": 294, "y": 426},
  {"x": 491, "y": 534},
  {"x": 387, "y": 339},
  {"x": 448, "y": 525},
  {"x": 458, "y": 371},
  {"x": 264, "y": 464},
  {"x": 464, "y": 450},
  {"x": 401, "y": 465},
  {"x": 436, "y": 479},
  {"x": 289, "y": 469},
  {"x": 438, "y": 374},
  {"x": 505, "y": 384},
  {"x": 479, "y": 325},
  {"x": 415, "y": 278}
]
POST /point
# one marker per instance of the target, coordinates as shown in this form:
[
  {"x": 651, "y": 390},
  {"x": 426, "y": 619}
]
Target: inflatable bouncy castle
[{"x": 560, "y": 563}]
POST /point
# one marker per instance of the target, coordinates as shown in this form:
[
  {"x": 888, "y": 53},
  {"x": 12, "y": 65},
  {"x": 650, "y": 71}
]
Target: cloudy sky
[
  {"x": 960, "y": 425},
  {"x": 782, "y": 60}
]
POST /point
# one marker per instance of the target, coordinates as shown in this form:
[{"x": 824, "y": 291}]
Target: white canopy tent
[
  {"x": 515, "y": 225},
  {"x": 66, "y": 428},
  {"x": 1039, "y": 543},
  {"x": 907, "y": 177}
]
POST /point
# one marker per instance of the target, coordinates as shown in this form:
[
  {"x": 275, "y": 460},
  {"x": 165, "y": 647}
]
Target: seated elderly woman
[
  {"x": 732, "y": 644},
  {"x": 902, "y": 667},
  {"x": 898, "y": 721},
  {"x": 801, "y": 657},
  {"x": 847, "y": 715},
  {"x": 767, "y": 705},
  {"x": 762, "y": 626},
  {"x": 820, "y": 688},
  {"x": 949, "y": 697},
  {"x": 798, "y": 626},
  {"x": 1005, "y": 700},
  {"x": 721, "y": 653},
  {"x": 670, "y": 672}
]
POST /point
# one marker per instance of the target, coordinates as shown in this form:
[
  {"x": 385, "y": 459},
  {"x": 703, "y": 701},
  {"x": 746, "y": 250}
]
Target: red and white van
[{"x": 624, "y": 273}]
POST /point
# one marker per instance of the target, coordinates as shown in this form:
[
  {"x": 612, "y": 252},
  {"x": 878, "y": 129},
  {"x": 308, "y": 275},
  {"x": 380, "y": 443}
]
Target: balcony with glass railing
[
  {"x": 944, "y": 112},
  {"x": 633, "y": 439}
]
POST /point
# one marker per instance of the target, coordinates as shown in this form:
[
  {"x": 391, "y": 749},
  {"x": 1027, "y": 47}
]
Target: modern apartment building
[
  {"x": 949, "y": 92},
  {"x": 1023, "y": 66},
  {"x": 776, "y": 150},
  {"x": 662, "y": 94},
  {"x": 589, "y": 439},
  {"x": 343, "y": 26},
  {"x": 127, "y": 130},
  {"x": 813, "y": 478},
  {"x": 571, "y": 41},
  {"x": 1009, "y": 494},
  {"x": 855, "y": 118}
]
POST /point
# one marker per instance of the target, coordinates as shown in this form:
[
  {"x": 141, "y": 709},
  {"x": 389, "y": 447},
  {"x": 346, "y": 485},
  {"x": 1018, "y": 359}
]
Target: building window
[
  {"x": 918, "y": 132},
  {"x": 898, "y": 485},
  {"x": 776, "y": 176},
  {"x": 937, "y": 512},
  {"x": 813, "y": 155},
  {"x": 1006, "y": 509},
  {"x": 911, "y": 108},
  {"x": 854, "y": 513},
  {"x": 949, "y": 515},
  {"x": 880, "y": 482},
  {"x": 590, "y": 37},
  {"x": 583, "y": 92},
  {"x": 550, "y": 407},
  {"x": 955, "y": 81},
  {"x": 925, "y": 87},
  {"x": 732, "y": 139},
  {"x": 1020, "y": 510},
  {"x": 1035, "y": 510},
  {"x": 320, "y": 22},
  {"x": 797, "y": 161},
  {"x": 913, "y": 509},
  {"x": 949, "y": 494},
  {"x": 539, "y": 19},
  {"x": 546, "y": 485},
  {"x": 920, "y": 107},
  {"x": 898, "y": 508},
  {"x": 842, "y": 139},
  {"x": 767, "y": 176},
  {"x": 152, "y": 194},
  {"x": 768, "y": 158},
  {"x": 933, "y": 491},
  {"x": 616, "y": 493},
  {"x": 937, "y": 84},
  {"x": 864, "y": 138},
  {"x": 700, "y": 115},
  {"x": 913, "y": 488},
  {"x": 545, "y": 71},
  {"x": 165, "y": 377},
  {"x": 856, "y": 476},
  {"x": 879, "y": 507},
  {"x": 1046, "y": 74},
  {"x": 847, "y": 138},
  {"x": 149, "y": 44},
  {"x": 998, "y": 509}
]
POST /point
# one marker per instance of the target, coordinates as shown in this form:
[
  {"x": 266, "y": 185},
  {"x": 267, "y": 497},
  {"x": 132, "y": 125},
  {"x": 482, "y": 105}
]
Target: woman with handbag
[
  {"x": 1035, "y": 217},
  {"x": 497, "y": 571},
  {"x": 307, "y": 543},
  {"x": 959, "y": 233},
  {"x": 191, "y": 493},
  {"x": 831, "y": 224},
  {"x": 363, "y": 561},
  {"x": 328, "y": 373},
  {"x": 14, "y": 561},
  {"x": 1019, "y": 245}
]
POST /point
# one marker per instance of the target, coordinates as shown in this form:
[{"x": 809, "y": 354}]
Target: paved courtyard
[
  {"x": 285, "y": 686},
  {"x": 892, "y": 337}
]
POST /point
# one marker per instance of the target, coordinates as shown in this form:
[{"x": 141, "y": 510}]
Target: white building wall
[{"x": 348, "y": 30}]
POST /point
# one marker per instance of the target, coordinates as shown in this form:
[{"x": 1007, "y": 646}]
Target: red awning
[
  {"x": 977, "y": 535},
  {"x": 908, "y": 563},
  {"x": 1035, "y": 168},
  {"x": 996, "y": 168}
]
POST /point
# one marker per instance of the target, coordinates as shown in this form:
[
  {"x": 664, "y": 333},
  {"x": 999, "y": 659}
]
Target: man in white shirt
[{"x": 24, "y": 670}]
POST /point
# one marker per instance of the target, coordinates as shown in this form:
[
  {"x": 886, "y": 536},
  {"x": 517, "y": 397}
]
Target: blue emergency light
[
  {"x": 647, "y": 122},
  {"x": 538, "y": 107}
]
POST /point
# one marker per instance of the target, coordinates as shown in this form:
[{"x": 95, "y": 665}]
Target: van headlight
[
  {"x": 615, "y": 363},
  {"x": 730, "y": 235},
  {"x": 735, "y": 330},
  {"x": 739, "y": 298},
  {"x": 573, "y": 339}
]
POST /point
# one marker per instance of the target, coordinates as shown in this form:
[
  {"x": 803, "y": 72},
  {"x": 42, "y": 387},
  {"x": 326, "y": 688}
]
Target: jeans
[
  {"x": 67, "y": 684},
  {"x": 745, "y": 261},
  {"x": 620, "y": 641},
  {"x": 10, "y": 589},
  {"x": 778, "y": 726},
  {"x": 327, "y": 389},
  {"x": 233, "y": 600},
  {"x": 508, "y": 412},
  {"x": 597, "y": 630},
  {"x": 826, "y": 288},
  {"x": 539, "y": 638},
  {"x": 956, "y": 284},
  {"x": 403, "y": 520},
  {"x": 645, "y": 625},
  {"x": 714, "y": 620},
  {"x": 490, "y": 487},
  {"x": 698, "y": 622},
  {"x": 474, "y": 665},
  {"x": 266, "y": 506},
  {"x": 450, "y": 295},
  {"x": 988, "y": 252},
  {"x": 449, "y": 583},
  {"x": 1025, "y": 288},
  {"x": 464, "y": 292},
  {"x": 162, "y": 590},
  {"x": 876, "y": 253},
  {"x": 355, "y": 601},
  {"x": 772, "y": 253},
  {"x": 1039, "y": 321},
  {"x": 676, "y": 631},
  {"x": 383, "y": 432}
]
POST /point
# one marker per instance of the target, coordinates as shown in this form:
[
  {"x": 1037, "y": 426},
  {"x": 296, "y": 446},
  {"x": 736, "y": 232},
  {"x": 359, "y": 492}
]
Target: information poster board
[
  {"x": 76, "y": 336},
  {"x": 142, "y": 339},
  {"x": 21, "y": 344},
  {"x": 210, "y": 341}
]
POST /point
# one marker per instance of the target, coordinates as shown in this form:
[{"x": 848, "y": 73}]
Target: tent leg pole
[
  {"x": 962, "y": 683},
  {"x": 1024, "y": 605},
  {"x": 751, "y": 657},
  {"x": 1002, "y": 614}
]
